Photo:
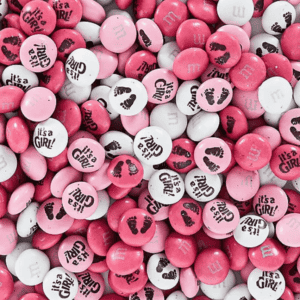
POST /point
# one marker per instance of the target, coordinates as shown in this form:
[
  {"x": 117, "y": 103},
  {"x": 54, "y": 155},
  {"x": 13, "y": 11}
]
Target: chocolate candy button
[
  {"x": 252, "y": 231},
  {"x": 161, "y": 272},
  {"x": 259, "y": 287},
  {"x": 80, "y": 200},
  {"x": 74, "y": 254},
  {"x": 60, "y": 283},
  {"x": 212, "y": 155},
  {"x": 285, "y": 162},
  {"x": 136, "y": 227},
  {"x": 50, "y": 138},
  {"x": 82, "y": 67},
  {"x": 201, "y": 186},
  {"x": 166, "y": 186},
  {"x": 52, "y": 218},
  {"x": 86, "y": 155}
]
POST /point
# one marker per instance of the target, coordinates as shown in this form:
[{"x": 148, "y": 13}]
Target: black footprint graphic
[
  {"x": 118, "y": 169},
  {"x": 223, "y": 96},
  {"x": 211, "y": 165},
  {"x": 270, "y": 48},
  {"x": 132, "y": 224},
  {"x": 215, "y": 151},
  {"x": 192, "y": 206},
  {"x": 217, "y": 46},
  {"x": 181, "y": 152},
  {"x": 160, "y": 166},
  {"x": 128, "y": 102},
  {"x": 295, "y": 121},
  {"x": 163, "y": 262},
  {"x": 259, "y": 52},
  {"x": 135, "y": 297},
  {"x": 8, "y": 54},
  {"x": 222, "y": 59},
  {"x": 120, "y": 90},
  {"x": 288, "y": 18},
  {"x": 259, "y": 5},
  {"x": 149, "y": 293},
  {"x": 295, "y": 133},
  {"x": 12, "y": 40},
  {"x": 230, "y": 124},
  {"x": 114, "y": 145},
  {"x": 209, "y": 95},
  {"x": 145, "y": 38},
  {"x": 277, "y": 28},
  {"x": 170, "y": 275},
  {"x": 49, "y": 210},
  {"x": 187, "y": 219},
  {"x": 132, "y": 168},
  {"x": 296, "y": 74},
  {"x": 45, "y": 78},
  {"x": 147, "y": 224},
  {"x": 61, "y": 213},
  {"x": 66, "y": 44},
  {"x": 17, "y": 4},
  {"x": 182, "y": 164}
]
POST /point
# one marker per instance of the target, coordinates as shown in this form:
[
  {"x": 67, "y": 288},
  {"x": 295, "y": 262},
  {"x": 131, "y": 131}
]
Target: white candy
[
  {"x": 260, "y": 290},
  {"x": 202, "y": 125},
  {"x": 152, "y": 145},
  {"x": 27, "y": 223},
  {"x": 161, "y": 272},
  {"x": 262, "y": 44},
  {"x": 238, "y": 292},
  {"x": 201, "y": 186},
  {"x": 116, "y": 143},
  {"x": 235, "y": 12},
  {"x": 128, "y": 97},
  {"x": 82, "y": 67},
  {"x": 54, "y": 287},
  {"x": 8, "y": 163},
  {"x": 275, "y": 95},
  {"x": 166, "y": 186},
  {"x": 13, "y": 256},
  {"x": 73, "y": 92},
  {"x": 266, "y": 176},
  {"x": 177, "y": 296},
  {"x": 50, "y": 138},
  {"x": 32, "y": 266},
  {"x": 251, "y": 232},
  {"x": 278, "y": 16},
  {"x": 90, "y": 32},
  {"x": 168, "y": 117},
  {"x": 186, "y": 97},
  {"x": 167, "y": 55},
  {"x": 19, "y": 76},
  {"x": 219, "y": 291}
]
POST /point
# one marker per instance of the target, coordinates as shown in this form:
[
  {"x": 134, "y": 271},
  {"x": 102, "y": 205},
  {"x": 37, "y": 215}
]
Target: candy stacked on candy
[{"x": 150, "y": 150}]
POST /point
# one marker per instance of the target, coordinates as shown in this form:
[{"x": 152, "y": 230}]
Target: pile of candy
[{"x": 150, "y": 150}]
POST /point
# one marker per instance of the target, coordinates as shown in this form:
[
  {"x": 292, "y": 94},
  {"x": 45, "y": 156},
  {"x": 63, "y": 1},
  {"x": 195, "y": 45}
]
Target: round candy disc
[
  {"x": 212, "y": 155},
  {"x": 136, "y": 227},
  {"x": 259, "y": 287},
  {"x": 86, "y": 155},
  {"x": 125, "y": 171},
  {"x": 252, "y": 231},
  {"x": 152, "y": 145},
  {"x": 74, "y": 254},
  {"x": 287, "y": 230},
  {"x": 221, "y": 216},
  {"x": 52, "y": 218},
  {"x": 50, "y": 138},
  {"x": 80, "y": 200},
  {"x": 82, "y": 67},
  {"x": 60, "y": 284},
  {"x": 166, "y": 186}
]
